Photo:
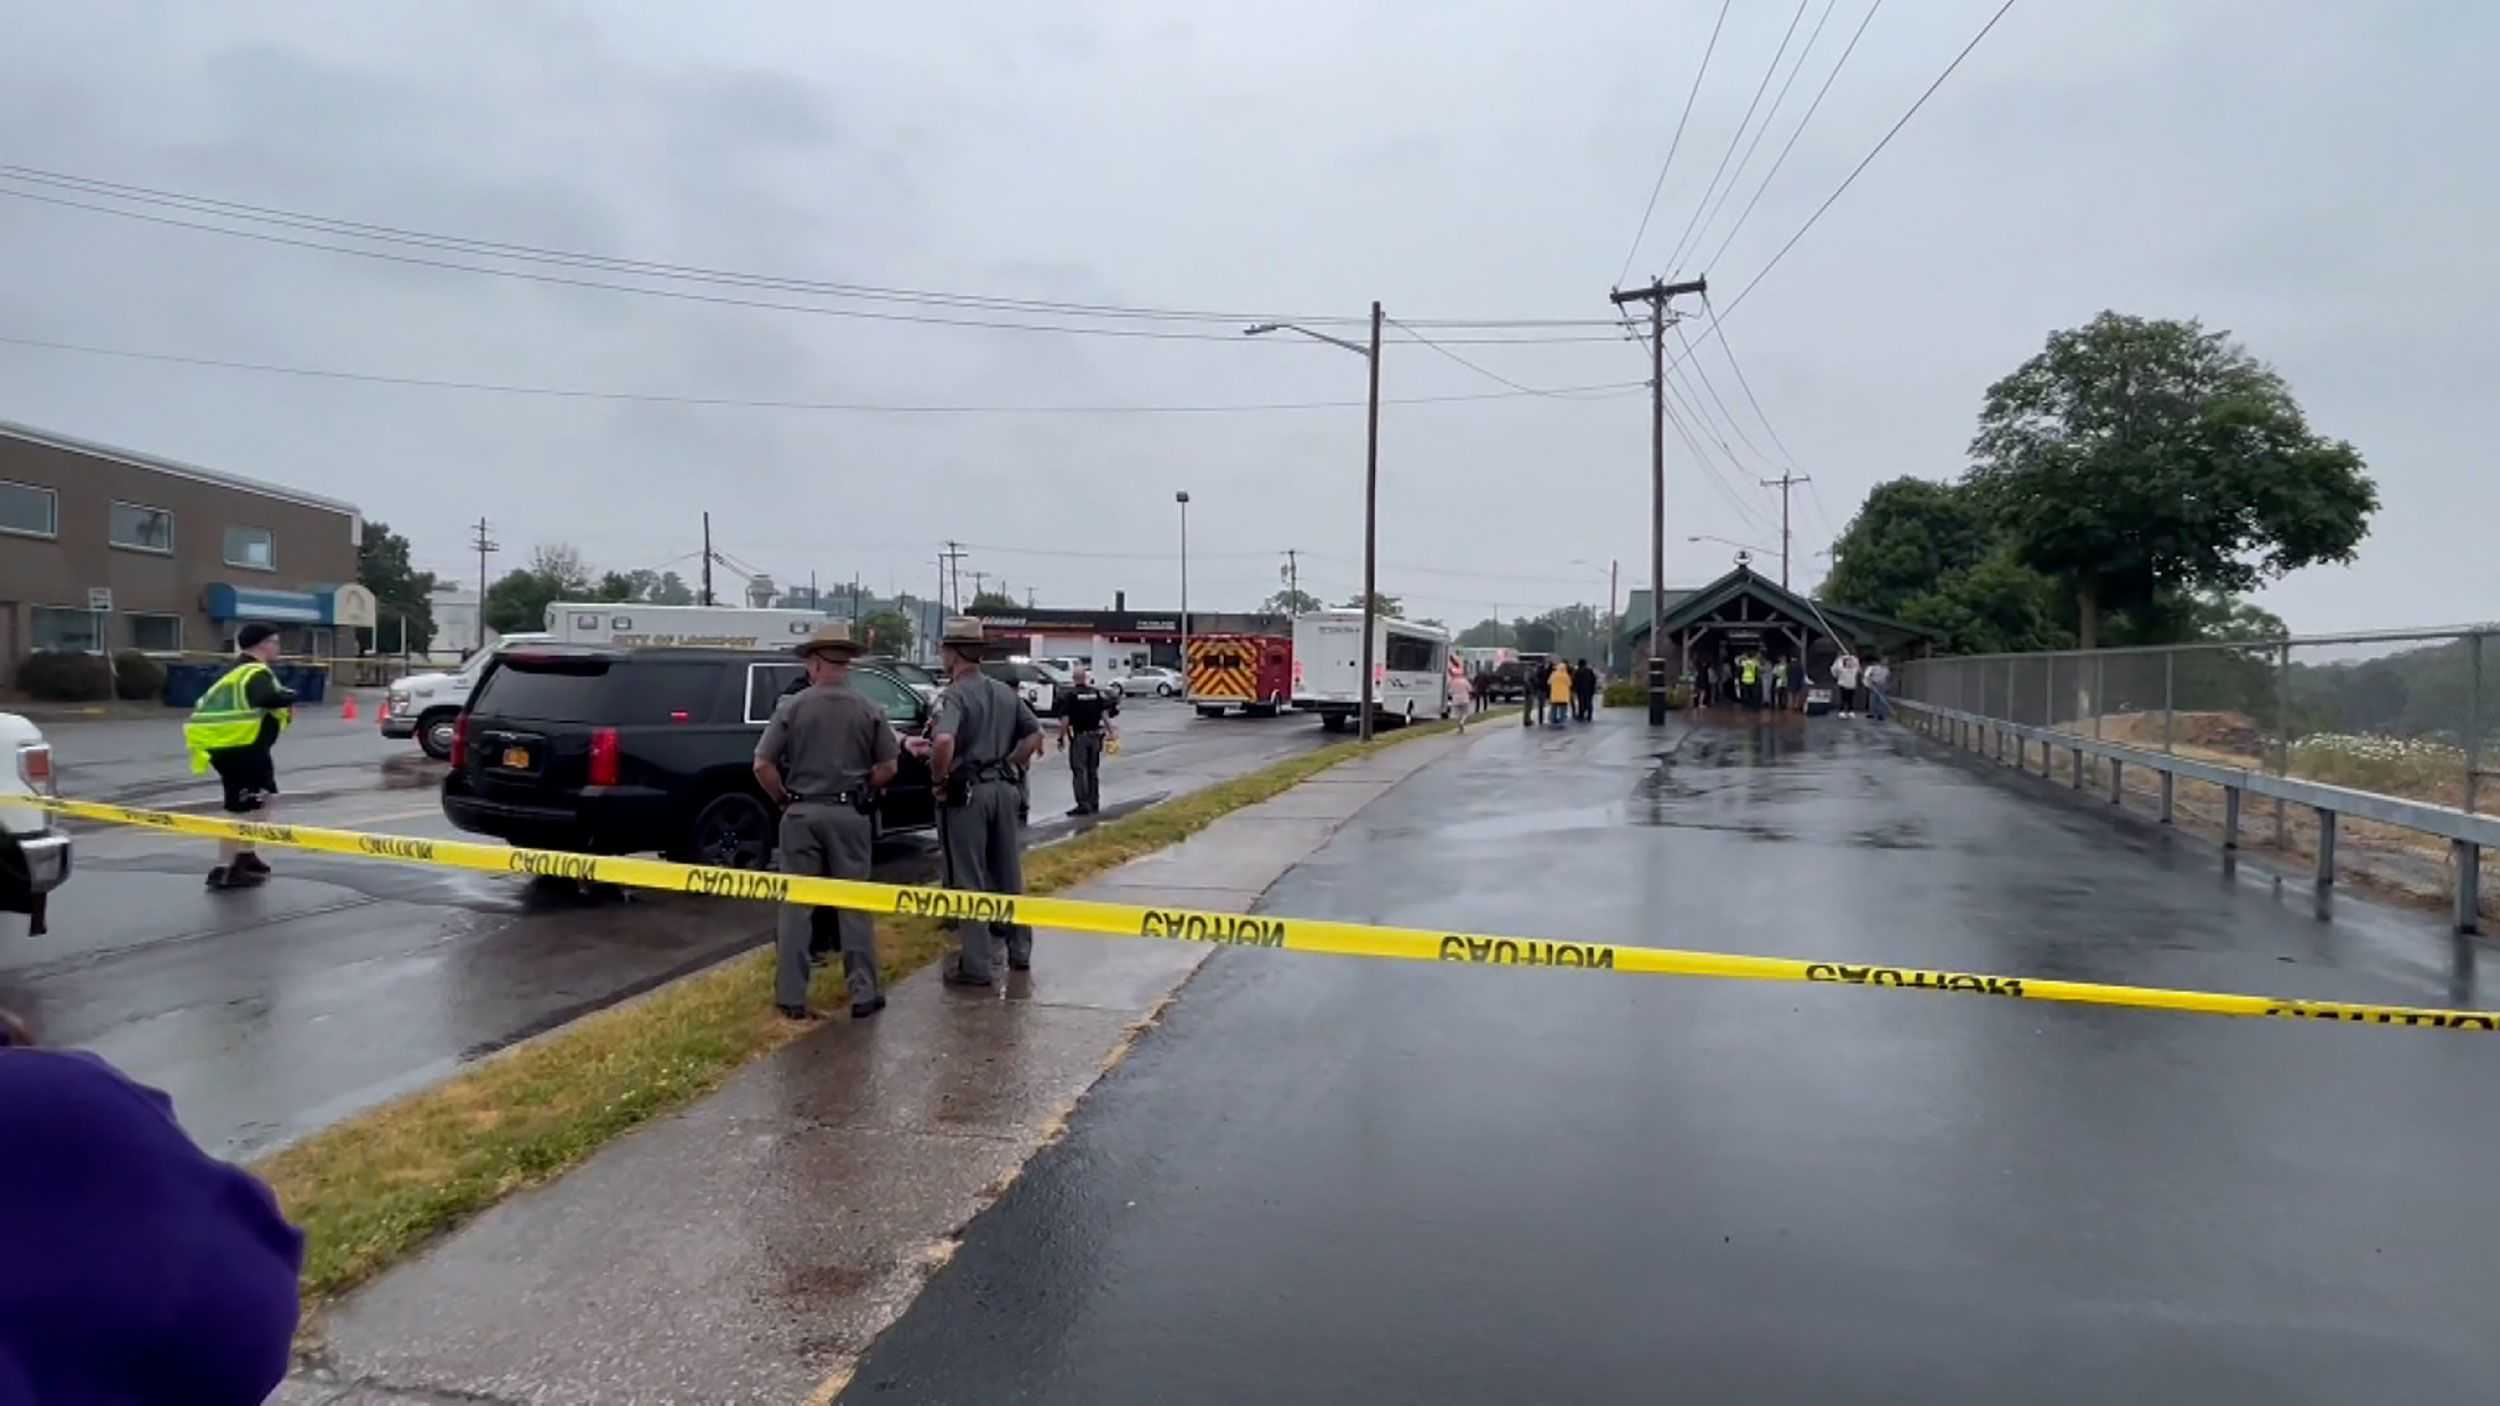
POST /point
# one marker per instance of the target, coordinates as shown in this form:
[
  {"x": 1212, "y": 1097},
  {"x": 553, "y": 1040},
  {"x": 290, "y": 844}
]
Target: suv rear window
[
  {"x": 610, "y": 692},
  {"x": 566, "y": 690}
]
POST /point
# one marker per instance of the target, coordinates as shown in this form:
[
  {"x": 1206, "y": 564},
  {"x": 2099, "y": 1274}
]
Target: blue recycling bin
[
  {"x": 184, "y": 683},
  {"x": 310, "y": 681}
]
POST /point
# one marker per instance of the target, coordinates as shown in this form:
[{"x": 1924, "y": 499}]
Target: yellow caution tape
[{"x": 1243, "y": 930}]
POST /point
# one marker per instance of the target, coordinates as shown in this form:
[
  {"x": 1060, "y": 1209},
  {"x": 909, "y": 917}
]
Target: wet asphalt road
[
  {"x": 268, "y": 1013},
  {"x": 1331, "y": 1180}
]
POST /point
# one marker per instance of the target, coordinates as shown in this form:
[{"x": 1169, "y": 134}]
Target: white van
[
  {"x": 424, "y": 706},
  {"x": 1410, "y": 668}
]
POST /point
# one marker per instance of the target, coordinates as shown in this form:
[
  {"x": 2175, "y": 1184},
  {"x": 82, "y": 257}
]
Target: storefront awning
[{"x": 348, "y": 604}]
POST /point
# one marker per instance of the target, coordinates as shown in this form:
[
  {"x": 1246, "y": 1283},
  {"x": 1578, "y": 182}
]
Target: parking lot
[{"x": 269, "y": 1012}]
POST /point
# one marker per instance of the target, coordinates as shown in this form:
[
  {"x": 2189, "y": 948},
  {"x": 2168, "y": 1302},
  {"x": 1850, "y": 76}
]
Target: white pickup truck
[
  {"x": 34, "y": 856},
  {"x": 424, "y": 706}
]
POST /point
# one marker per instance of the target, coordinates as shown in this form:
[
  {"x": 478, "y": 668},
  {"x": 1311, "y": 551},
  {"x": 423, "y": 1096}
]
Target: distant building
[
  {"x": 1118, "y": 635},
  {"x": 106, "y": 549}
]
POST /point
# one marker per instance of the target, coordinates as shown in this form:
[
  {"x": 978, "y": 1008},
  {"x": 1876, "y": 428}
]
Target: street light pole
[
  {"x": 1371, "y": 491},
  {"x": 1182, "y": 498},
  {"x": 1371, "y": 525}
]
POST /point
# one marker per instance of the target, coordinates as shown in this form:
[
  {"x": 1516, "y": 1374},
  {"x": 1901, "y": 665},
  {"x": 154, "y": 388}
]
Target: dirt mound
[{"x": 2217, "y": 732}]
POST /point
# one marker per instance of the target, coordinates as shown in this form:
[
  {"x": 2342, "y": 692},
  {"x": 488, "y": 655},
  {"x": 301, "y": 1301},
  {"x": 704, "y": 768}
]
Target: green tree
[
  {"x": 886, "y": 632},
  {"x": 1930, "y": 554},
  {"x": 1290, "y": 602},
  {"x": 671, "y": 590},
  {"x": 634, "y": 585},
  {"x": 1487, "y": 633},
  {"x": 1382, "y": 604},
  {"x": 403, "y": 597},
  {"x": 2134, "y": 458},
  {"x": 994, "y": 601},
  {"x": 519, "y": 601},
  {"x": 1910, "y": 534}
]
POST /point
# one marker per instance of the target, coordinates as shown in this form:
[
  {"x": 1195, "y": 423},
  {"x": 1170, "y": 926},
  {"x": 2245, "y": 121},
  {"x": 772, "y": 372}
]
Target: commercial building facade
[
  {"x": 1118, "y": 636},
  {"x": 105, "y": 549}
]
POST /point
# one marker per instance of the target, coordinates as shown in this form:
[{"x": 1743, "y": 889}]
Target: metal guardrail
[{"x": 2465, "y": 832}]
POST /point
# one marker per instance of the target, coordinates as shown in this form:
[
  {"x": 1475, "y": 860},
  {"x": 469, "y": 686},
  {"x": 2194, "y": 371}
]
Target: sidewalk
[{"x": 751, "y": 1247}]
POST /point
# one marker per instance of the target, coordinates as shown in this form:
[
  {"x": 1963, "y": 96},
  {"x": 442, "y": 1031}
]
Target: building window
[
  {"x": 141, "y": 528},
  {"x": 156, "y": 634},
  {"x": 63, "y": 629},
  {"x": 29, "y": 511},
  {"x": 252, "y": 548}
]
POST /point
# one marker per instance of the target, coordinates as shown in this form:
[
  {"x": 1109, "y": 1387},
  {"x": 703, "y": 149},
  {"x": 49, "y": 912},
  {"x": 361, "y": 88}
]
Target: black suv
[{"x": 621, "y": 751}]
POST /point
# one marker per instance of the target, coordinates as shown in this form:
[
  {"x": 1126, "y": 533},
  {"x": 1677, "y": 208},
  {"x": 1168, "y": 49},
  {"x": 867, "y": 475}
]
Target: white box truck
[{"x": 1410, "y": 668}]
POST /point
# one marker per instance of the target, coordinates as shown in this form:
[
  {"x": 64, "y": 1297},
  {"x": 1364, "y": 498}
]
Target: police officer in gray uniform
[
  {"x": 823, "y": 758},
  {"x": 984, "y": 734}
]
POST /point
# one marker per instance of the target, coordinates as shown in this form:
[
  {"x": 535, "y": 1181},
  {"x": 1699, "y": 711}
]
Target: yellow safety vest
[
  {"x": 1750, "y": 668},
  {"x": 223, "y": 718}
]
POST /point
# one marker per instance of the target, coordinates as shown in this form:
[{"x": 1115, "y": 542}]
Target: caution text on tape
[{"x": 1247, "y": 930}]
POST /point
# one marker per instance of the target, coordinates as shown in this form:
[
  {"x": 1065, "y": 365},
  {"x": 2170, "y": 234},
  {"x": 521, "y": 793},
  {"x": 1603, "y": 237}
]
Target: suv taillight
[
  {"x": 603, "y": 756},
  {"x": 34, "y": 767},
  {"x": 460, "y": 740}
]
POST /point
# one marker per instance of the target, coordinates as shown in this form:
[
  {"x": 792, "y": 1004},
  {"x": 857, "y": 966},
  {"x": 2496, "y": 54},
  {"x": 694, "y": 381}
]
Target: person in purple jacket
[{"x": 134, "y": 1268}]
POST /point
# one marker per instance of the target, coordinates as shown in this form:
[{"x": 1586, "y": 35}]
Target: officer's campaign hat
[
  {"x": 963, "y": 633},
  {"x": 831, "y": 638}
]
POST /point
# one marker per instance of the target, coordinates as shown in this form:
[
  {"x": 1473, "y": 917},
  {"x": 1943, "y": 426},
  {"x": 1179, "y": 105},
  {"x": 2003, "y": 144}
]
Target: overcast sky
[{"x": 2317, "y": 177}]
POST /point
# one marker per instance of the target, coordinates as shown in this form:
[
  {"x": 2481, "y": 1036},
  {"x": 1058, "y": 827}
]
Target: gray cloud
[{"x": 2313, "y": 176}]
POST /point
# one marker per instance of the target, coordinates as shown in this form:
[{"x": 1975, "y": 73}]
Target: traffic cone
[{"x": 347, "y": 707}]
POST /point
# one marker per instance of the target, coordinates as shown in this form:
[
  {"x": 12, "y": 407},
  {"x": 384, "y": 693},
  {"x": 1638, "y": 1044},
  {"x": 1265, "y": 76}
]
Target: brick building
[{"x": 110, "y": 549}]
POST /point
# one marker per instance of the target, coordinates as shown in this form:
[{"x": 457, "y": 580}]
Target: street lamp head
[
  {"x": 1181, "y": 497},
  {"x": 1261, "y": 330}
]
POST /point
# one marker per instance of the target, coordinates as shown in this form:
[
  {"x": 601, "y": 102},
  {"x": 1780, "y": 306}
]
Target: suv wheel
[
  {"x": 434, "y": 732},
  {"x": 733, "y": 830}
]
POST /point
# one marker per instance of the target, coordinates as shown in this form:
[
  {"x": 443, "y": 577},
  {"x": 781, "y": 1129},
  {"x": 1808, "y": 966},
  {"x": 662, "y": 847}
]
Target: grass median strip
[{"x": 369, "y": 1190}]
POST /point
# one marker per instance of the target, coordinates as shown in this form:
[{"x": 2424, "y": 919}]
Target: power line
[
  {"x": 397, "y": 234},
  {"x": 685, "y": 295},
  {"x": 1693, "y": 363},
  {"x": 1727, "y": 349},
  {"x": 1851, "y": 178},
  {"x": 1677, "y": 252},
  {"x": 1481, "y": 371},
  {"x": 1701, "y": 455},
  {"x": 1661, "y": 184},
  {"x": 1791, "y": 144},
  {"x": 1778, "y": 101},
  {"x": 759, "y": 403}
]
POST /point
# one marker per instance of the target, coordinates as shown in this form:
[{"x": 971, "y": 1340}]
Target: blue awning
[{"x": 226, "y": 602}]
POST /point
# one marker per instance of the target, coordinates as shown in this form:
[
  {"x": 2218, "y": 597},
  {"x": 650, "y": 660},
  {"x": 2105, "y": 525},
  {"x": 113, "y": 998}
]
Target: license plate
[{"x": 516, "y": 758}]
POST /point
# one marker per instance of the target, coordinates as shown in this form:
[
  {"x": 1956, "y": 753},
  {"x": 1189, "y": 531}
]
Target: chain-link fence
[{"x": 2412, "y": 714}]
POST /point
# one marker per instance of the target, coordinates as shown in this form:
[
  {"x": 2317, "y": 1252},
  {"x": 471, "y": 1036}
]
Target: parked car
[
  {"x": 623, "y": 751},
  {"x": 1033, "y": 683},
  {"x": 922, "y": 680},
  {"x": 1148, "y": 678},
  {"x": 34, "y": 856}
]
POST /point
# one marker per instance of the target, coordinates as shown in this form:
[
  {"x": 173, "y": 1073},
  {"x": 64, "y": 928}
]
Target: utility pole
[
  {"x": 1293, "y": 580},
  {"x": 707, "y": 558},
  {"x": 977, "y": 578},
  {"x": 950, "y": 568},
  {"x": 1656, "y": 295},
  {"x": 1787, "y": 480},
  {"x": 1030, "y": 598},
  {"x": 485, "y": 545}
]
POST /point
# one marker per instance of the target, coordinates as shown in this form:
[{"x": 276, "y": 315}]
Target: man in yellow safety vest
[{"x": 232, "y": 728}]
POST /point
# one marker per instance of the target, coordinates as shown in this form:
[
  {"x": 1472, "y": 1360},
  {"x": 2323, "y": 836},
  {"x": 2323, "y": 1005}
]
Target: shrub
[
  {"x": 66, "y": 678},
  {"x": 1631, "y": 693},
  {"x": 137, "y": 677}
]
